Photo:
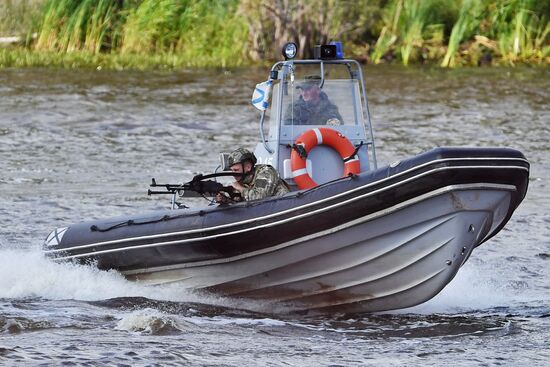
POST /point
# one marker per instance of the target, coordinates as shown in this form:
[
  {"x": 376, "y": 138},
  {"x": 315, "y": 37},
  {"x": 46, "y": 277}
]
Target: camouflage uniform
[
  {"x": 262, "y": 182},
  {"x": 305, "y": 113}
]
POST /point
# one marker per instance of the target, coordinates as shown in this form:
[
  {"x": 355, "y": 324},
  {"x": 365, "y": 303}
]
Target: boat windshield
[{"x": 335, "y": 102}]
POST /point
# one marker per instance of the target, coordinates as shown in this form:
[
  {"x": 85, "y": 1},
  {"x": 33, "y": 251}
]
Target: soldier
[
  {"x": 258, "y": 181},
  {"x": 313, "y": 106}
]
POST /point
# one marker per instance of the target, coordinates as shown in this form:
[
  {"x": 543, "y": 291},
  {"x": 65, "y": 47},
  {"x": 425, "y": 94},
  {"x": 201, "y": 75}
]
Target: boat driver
[
  {"x": 258, "y": 181},
  {"x": 313, "y": 106}
]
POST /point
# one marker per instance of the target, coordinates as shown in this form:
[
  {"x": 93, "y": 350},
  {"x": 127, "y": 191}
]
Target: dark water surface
[{"x": 82, "y": 145}]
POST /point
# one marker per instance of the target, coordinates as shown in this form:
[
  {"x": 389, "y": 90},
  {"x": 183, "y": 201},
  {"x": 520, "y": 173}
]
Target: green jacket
[
  {"x": 305, "y": 113},
  {"x": 263, "y": 183}
]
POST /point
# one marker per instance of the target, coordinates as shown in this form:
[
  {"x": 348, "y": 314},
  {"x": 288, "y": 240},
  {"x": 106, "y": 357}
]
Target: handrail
[
  {"x": 276, "y": 66},
  {"x": 375, "y": 162},
  {"x": 262, "y": 135}
]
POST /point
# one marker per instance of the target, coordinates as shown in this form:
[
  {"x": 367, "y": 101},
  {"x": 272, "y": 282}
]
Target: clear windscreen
[{"x": 335, "y": 102}]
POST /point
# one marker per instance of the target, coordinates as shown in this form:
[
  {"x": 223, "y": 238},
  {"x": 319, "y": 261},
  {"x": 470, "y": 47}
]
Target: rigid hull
[{"x": 382, "y": 240}]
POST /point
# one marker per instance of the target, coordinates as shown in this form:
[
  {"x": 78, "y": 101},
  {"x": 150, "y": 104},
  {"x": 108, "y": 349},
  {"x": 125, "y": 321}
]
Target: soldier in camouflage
[
  {"x": 313, "y": 106},
  {"x": 258, "y": 181}
]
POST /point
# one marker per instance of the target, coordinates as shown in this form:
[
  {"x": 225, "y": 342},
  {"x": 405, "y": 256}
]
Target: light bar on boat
[
  {"x": 331, "y": 51},
  {"x": 339, "y": 49}
]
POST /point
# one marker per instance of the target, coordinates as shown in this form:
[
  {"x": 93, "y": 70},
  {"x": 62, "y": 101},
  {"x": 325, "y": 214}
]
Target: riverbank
[
  {"x": 171, "y": 34},
  {"x": 18, "y": 57},
  {"x": 21, "y": 57}
]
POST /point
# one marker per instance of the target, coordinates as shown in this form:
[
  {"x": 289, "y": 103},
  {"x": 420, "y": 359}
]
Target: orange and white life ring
[{"x": 324, "y": 136}]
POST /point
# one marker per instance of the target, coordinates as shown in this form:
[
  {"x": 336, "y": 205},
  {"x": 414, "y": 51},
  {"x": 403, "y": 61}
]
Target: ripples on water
[{"x": 83, "y": 145}]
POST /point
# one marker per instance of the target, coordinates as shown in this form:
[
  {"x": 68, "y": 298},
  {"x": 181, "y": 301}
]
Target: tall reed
[
  {"x": 71, "y": 25},
  {"x": 388, "y": 34},
  {"x": 204, "y": 32},
  {"x": 212, "y": 33},
  {"x": 153, "y": 26},
  {"x": 468, "y": 20},
  {"x": 408, "y": 26},
  {"x": 413, "y": 19},
  {"x": 235, "y": 32},
  {"x": 521, "y": 32}
]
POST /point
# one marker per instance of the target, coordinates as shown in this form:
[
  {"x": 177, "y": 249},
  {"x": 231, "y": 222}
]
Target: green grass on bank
[
  {"x": 144, "y": 34},
  {"x": 18, "y": 57}
]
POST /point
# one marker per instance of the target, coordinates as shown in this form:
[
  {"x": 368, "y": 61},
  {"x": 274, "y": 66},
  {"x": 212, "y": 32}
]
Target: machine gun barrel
[
  {"x": 151, "y": 192},
  {"x": 197, "y": 187}
]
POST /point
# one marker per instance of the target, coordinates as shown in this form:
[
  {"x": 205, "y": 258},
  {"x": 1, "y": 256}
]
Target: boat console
[{"x": 291, "y": 111}]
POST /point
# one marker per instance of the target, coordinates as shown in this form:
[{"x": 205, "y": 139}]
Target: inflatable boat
[{"x": 348, "y": 237}]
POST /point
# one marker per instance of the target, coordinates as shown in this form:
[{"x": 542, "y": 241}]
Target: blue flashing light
[{"x": 339, "y": 49}]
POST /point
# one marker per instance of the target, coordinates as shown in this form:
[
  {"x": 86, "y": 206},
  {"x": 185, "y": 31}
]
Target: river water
[{"x": 82, "y": 145}]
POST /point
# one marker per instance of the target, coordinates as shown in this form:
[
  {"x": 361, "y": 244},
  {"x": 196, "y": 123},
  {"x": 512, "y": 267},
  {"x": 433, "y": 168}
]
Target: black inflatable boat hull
[{"x": 384, "y": 239}]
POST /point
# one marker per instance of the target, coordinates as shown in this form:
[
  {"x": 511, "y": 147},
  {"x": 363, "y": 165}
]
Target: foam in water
[
  {"x": 25, "y": 273},
  {"x": 11, "y": 326},
  {"x": 149, "y": 321},
  {"x": 473, "y": 288},
  {"x": 28, "y": 274}
]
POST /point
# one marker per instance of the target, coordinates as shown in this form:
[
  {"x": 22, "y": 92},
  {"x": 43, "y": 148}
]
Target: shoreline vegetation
[{"x": 169, "y": 34}]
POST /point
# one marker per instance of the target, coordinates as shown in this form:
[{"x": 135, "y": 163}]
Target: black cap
[{"x": 310, "y": 81}]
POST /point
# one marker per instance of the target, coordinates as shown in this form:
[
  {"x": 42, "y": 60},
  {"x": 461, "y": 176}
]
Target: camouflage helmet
[{"x": 240, "y": 156}]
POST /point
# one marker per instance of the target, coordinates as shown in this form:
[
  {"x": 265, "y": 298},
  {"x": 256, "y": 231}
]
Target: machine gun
[{"x": 199, "y": 186}]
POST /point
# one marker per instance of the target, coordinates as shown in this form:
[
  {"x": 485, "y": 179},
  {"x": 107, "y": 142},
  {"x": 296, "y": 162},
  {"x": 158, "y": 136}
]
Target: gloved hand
[
  {"x": 222, "y": 197},
  {"x": 227, "y": 196}
]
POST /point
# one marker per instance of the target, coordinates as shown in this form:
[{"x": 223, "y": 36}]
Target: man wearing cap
[
  {"x": 313, "y": 106},
  {"x": 256, "y": 181}
]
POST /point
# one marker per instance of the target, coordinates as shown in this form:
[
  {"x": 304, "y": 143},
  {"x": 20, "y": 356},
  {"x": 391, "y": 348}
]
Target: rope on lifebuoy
[{"x": 321, "y": 136}]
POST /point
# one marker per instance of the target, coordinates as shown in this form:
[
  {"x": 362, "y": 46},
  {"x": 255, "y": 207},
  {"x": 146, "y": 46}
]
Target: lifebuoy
[{"x": 324, "y": 136}]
